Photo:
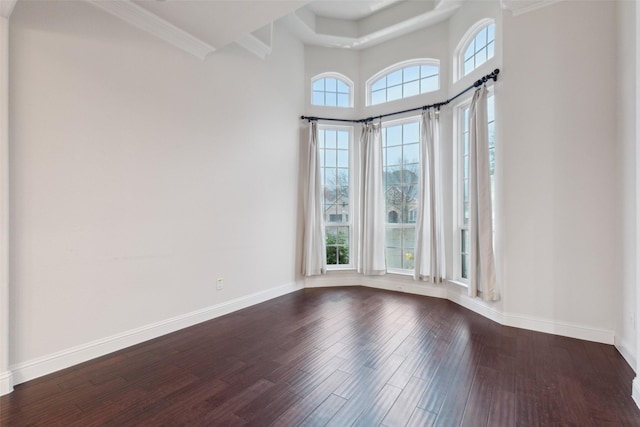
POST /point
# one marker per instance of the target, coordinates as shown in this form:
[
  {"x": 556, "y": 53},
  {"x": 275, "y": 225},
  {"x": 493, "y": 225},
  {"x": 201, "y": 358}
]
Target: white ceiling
[
  {"x": 350, "y": 10},
  {"x": 202, "y": 26},
  {"x": 357, "y": 24},
  {"x": 216, "y": 22}
]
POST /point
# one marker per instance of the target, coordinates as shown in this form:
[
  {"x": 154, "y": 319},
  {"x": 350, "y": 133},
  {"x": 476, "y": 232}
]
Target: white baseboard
[
  {"x": 635, "y": 391},
  {"x": 570, "y": 330},
  {"x": 626, "y": 353},
  {"x": 63, "y": 359},
  {"x": 476, "y": 305},
  {"x": 6, "y": 382},
  {"x": 405, "y": 284},
  {"x": 333, "y": 279},
  {"x": 531, "y": 323}
]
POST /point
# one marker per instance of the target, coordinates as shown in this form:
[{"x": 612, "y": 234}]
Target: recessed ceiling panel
[{"x": 220, "y": 22}]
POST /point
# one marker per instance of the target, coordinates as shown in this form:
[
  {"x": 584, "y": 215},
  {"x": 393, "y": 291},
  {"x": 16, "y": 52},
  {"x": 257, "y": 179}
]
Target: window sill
[
  {"x": 340, "y": 269},
  {"x": 458, "y": 283}
]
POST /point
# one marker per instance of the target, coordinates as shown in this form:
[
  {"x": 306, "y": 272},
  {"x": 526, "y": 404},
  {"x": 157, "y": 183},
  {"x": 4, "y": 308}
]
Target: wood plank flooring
[{"x": 339, "y": 357}]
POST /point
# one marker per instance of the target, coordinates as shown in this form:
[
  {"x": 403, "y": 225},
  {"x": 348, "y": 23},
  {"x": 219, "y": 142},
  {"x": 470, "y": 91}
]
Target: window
[
  {"x": 463, "y": 179},
  {"x": 332, "y": 90},
  {"x": 403, "y": 80},
  {"x": 334, "y": 143},
  {"x": 401, "y": 156},
  {"x": 476, "y": 47}
]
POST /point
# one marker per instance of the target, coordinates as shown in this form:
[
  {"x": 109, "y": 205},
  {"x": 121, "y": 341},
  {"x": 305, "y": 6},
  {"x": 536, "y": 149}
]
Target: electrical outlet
[{"x": 219, "y": 284}]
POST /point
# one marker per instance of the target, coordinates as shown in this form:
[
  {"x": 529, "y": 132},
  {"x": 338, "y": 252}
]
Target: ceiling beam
[
  {"x": 6, "y": 7},
  {"x": 153, "y": 24}
]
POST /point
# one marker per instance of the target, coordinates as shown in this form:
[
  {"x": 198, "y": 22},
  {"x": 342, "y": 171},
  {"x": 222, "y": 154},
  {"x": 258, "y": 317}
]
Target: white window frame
[
  {"x": 470, "y": 35},
  {"x": 332, "y": 75},
  {"x": 391, "y": 123},
  {"x": 350, "y": 223},
  {"x": 458, "y": 185},
  {"x": 395, "y": 67}
]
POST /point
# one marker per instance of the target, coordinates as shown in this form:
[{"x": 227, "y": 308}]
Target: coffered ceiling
[{"x": 202, "y": 26}]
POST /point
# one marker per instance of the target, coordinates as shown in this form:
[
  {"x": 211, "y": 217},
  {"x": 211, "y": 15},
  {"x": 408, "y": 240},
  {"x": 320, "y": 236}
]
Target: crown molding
[
  {"x": 257, "y": 45},
  {"x": 6, "y": 7},
  {"x": 153, "y": 24},
  {"x": 334, "y": 32},
  {"x": 519, "y": 7}
]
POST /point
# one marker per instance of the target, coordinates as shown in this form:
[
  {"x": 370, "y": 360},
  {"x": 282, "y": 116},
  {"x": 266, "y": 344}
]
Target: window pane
[
  {"x": 411, "y": 73},
  {"x": 318, "y": 98},
  {"x": 331, "y": 99},
  {"x": 468, "y": 65},
  {"x": 491, "y": 33},
  {"x": 379, "y": 84},
  {"x": 404, "y": 83},
  {"x": 318, "y": 85},
  {"x": 481, "y": 57},
  {"x": 465, "y": 169},
  {"x": 392, "y": 175},
  {"x": 343, "y": 87},
  {"x": 481, "y": 49},
  {"x": 490, "y": 50},
  {"x": 329, "y": 176},
  {"x": 469, "y": 52},
  {"x": 481, "y": 38},
  {"x": 490, "y": 109},
  {"x": 411, "y": 89},
  {"x": 393, "y": 237},
  {"x": 331, "y": 85},
  {"x": 343, "y": 246},
  {"x": 379, "y": 97},
  {"x": 407, "y": 260},
  {"x": 393, "y": 135},
  {"x": 429, "y": 70},
  {"x": 492, "y": 134},
  {"x": 394, "y": 155},
  {"x": 330, "y": 158},
  {"x": 343, "y": 100},
  {"x": 409, "y": 238},
  {"x": 394, "y": 78},
  {"x": 394, "y": 258},
  {"x": 410, "y": 174},
  {"x": 411, "y": 153},
  {"x": 411, "y": 132},
  {"x": 330, "y": 138},
  {"x": 394, "y": 93},
  {"x": 343, "y": 179},
  {"x": 343, "y": 159},
  {"x": 464, "y": 244},
  {"x": 429, "y": 84},
  {"x": 401, "y": 194},
  {"x": 336, "y": 195},
  {"x": 465, "y": 266},
  {"x": 343, "y": 140}
]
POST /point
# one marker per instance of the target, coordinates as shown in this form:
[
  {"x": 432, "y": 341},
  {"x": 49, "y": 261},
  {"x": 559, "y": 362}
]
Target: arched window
[
  {"x": 332, "y": 90},
  {"x": 476, "y": 47},
  {"x": 402, "y": 80}
]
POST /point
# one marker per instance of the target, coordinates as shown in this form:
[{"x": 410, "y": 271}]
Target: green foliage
[{"x": 337, "y": 249}]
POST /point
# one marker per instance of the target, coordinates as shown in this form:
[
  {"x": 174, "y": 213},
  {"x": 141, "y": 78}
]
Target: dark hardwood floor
[{"x": 339, "y": 357}]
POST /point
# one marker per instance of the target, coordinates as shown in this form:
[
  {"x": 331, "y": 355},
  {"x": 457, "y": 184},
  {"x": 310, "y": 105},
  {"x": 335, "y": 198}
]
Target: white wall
[
  {"x": 626, "y": 126},
  {"x": 562, "y": 239},
  {"x": 140, "y": 174}
]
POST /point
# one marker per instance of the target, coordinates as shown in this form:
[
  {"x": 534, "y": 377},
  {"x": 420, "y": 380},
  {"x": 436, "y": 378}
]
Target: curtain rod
[{"x": 491, "y": 76}]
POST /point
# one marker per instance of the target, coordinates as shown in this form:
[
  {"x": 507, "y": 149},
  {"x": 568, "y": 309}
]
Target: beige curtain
[
  {"x": 482, "y": 270},
  {"x": 430, "y": 254},
  {"x": 314, "y": 255},
  {"x": 372, "y": 204}
]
